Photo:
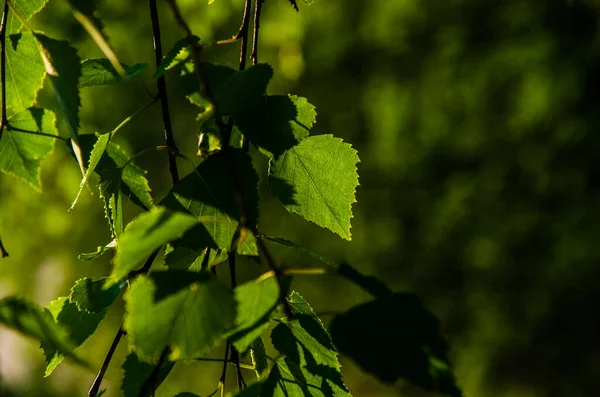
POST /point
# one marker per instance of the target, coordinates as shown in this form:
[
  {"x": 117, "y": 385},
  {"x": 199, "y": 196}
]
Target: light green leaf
[
  {"x": 78, "y": 324},
  {"x": 91, "y": 295},
  {"x": 105, "y": 158},
  {"x": 64, "y": 69},
  {"x": 26, "y": 9},
  {"x": 99, "y": 71},
  {"x": 209, "y": 194},
  {"x": 256, "y": 301},
  {"x": 99, "y": 252},
  {"x": 408, "y": 334},
  {"x": 94, "y": 158},
  {"x": 145, "y": 234},
  {"x": 258, "y": 354},
  {"x": 136, "y": 373},
  {"x": 186, "y": 311},
  {"x": 24, "y": 72},
  {"x": 310, "y": 356},
  {"x": 278, "y": 125},
  {"x": 21, "y": 153},
  {"x": 31, "y": 321},
  {"x": 317, "y": 179},
  {"x": 180, "y": 52}
]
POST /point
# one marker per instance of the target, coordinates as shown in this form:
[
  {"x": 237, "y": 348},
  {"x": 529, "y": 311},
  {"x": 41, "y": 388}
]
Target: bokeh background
[{"x": 476, "y": 123}]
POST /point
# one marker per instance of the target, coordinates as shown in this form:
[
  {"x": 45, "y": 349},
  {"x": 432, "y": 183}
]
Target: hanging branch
[
  {"x": 243, "y": 34},
  {"x": 3, "y": 119},
  {"x": 162, "y": 93},
  {"x": 95, "y": 389},
  {"x": 257, "y": 9}
]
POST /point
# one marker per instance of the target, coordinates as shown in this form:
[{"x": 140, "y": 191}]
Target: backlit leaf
[
  {"x": 24, "y": 72},
  {"x": 186, "y": 311},
  {"x": 26, "y": 9},
  {"x": 180, "y": 52},
  {"x": 317, "y": 179},
  {"x": 145, "y": 234},
  {"x": 21, "y": 153}
]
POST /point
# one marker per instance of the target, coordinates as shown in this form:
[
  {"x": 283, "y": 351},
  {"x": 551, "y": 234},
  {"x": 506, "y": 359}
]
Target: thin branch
[
  {"x": 257, "y": 9},
  {"x": 11, "y": 128},
  {"x": 149, "y": 386},
  {"x": 3, "y": 120},
  {"x": 243, "y": 33},
  {"x": 235, "y": 356},
  {"x": 243, "y": 28},
  {"x": 162, "y": 92},
  {"x": 95, "y": 389},
  {"x": 3, "y": 252},
  {"x": 134, "y": 114},
  {"x": 224, "y": 372}
]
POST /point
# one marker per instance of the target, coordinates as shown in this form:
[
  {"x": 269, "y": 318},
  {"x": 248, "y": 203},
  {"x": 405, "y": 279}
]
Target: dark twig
[
  {"x": 162, "y": 93},
  {"x": 3, "y": 120},
  {"x": 98, "y": 381},
  {"x": 149, "y": 386},
  {"x": 3, "y": 252},
  {"x": 225, "y": 361},
  {"x": 235, "y": 356},
  {"x": 257, "y": 9},
  {"x": 11, "y": 128},
  {"x": 243, "y": 34}
]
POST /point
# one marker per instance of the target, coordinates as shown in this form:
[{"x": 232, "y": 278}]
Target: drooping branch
[
  {"x": 3, "y": 252},
  {"x": 95, "y": 389},
  {"x": 162, "y": 93}
]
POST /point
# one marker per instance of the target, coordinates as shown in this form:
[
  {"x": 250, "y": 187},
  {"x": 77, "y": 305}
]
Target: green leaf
[
  {"x": 184, "y": 258},
  {"x": 317, "y": 179},
  {"x": 99, "y": 252},
  {"x": 253, "y": 390},
  {"x": 21, "y": 153},
  {"x": 136, "y": 373},
  {"x": 26, "y": 9},
  {"x": 301, "y": 248},
  {"x": 258, "y": 354},
  {"x": 180, "y": 52},
  {"x": 145, "y": 234},
  {"x": 92, "y": 296},
  {"x": 64, "y": 69},
  {"x": 216, "y": 77},
  {"x": 278, "y": 125},
  {"x": 186, "y": 394},
  {"x": 99, "y": 71},
  {"x": 209, "y": 194},
  {"x": 78, "y": 324},
  {"x": 186, "y": 311},
  {"x": 244, "y": 90},
  {"x": 406, "y": 332},
  {"x": 256, "y": 301},
  {"x": 31, "y": 321},
  {"x": 310, "y": 356},
  {"x": 24, "y": 72},
  {"x": 287, "y": 379},
  {"x": 79, "y": 314},
  {"x": 104, "y": 157}
]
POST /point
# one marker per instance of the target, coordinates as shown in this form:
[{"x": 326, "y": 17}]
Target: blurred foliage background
[{"x": 476, "y": 123}]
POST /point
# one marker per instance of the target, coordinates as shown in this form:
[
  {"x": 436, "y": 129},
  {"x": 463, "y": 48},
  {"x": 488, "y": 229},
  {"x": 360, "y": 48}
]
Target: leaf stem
[
  {"x": 3, "y": 120},
  {"x": 162, "y": 93},
  {"x": 257, "y": 9},
  {"x": 11, "y": 128},
  {"x": 243, "y": 34},
  {"x": 95, "y": 389}
]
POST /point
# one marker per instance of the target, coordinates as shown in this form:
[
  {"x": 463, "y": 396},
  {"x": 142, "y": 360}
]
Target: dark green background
[{"x": 476, "y": 123}]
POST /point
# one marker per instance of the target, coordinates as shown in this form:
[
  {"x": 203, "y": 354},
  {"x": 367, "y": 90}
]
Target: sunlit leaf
[
  {"x": 99, "y": 252},
  {"x": 24, "y": 72},
  {"x": 145, "y": 234},
  {"x": 258, "y": 354},
  {"x": 317, "y": 179},
  {"x": 26, "y": 9},
  {"x": 186, "y": 311},
  {"x": 91, "y": 295},
  {"x": 21, "y": 153}
]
